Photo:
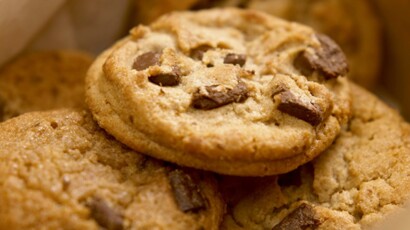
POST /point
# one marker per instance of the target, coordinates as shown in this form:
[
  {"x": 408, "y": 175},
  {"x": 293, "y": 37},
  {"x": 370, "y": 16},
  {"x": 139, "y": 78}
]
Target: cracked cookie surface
[
  {"x": 43, "y": 80},
  {"x": 232, "y": 91},
  {"x": 59, "y": 170},
  {"x": 355, "y": 184}
]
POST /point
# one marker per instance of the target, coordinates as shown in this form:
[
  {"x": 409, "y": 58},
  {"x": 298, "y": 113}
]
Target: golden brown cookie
[
  {"x": 359, "y": 181},
  {"x": 43, "y": 80},
  {"x": 59, "y": 170},
  {"x": 252, "y": 96}
]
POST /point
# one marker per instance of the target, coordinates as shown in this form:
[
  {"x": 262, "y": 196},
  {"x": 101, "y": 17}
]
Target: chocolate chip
[
  {"x": 309, "y": 112},
  {"x": 303, "y": 62},
  {"x": 329, "y": 60},
  {"x": 235, "y": 59},
  {"x": 167, "y": 79},
  {"x": 186, "y": 192},
  {"x": 104, "y": 215},
  {"x": 303, "y": 217},
  {"x": 198, "y": 52},
  {"x": 217, "y": 96},
  {"x": 146, "y": 60}
]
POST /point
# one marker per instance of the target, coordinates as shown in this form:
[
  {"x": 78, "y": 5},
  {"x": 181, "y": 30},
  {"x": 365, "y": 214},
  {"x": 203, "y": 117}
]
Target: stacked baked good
[{"x": 220, "y": 119}]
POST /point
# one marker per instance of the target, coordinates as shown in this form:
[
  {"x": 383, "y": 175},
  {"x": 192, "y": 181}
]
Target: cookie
[
  {"x": 354, "y": 25},
  {"x": 359, "y": 181},
  {"x": 59, "y": 170},
  {"x": 250, "y": 96},
  {"x": 43, "y": 80}
]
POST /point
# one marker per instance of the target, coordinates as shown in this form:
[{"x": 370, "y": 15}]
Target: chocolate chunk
[
  {"x": 235, "y": 59},
  {"x": 303, "y": 62},
  {"x": 303, "y": 217},
  {"x": 198, "y": 53},
  {"x": 104, "y": 215},
  {"x": 167, "y": 79},
  {"x": 329, "y": 60},
  {"x": 217, "y": 96},
  {"x": 146, "y": 60},
  {"x": 186, "y": 192},
  {"x": 309, "y": 112}
]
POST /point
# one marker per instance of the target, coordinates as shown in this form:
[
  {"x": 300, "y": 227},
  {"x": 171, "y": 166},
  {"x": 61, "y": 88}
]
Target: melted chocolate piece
[
  {"x": 146, "y": 60},
  {"x": 290, "y": 104},
  {"x": 167, "y": 79},
  {"x": 304, "y": 64},
  {"x": 198, "y": 52},
  {"x": 329, "y": 60},
  {"x": 235, "y": 59},
  {"x": 187, "y": 194},
  {"x": 104, "y": 215},
  {"x": 217, "y": 96},
  {"x": 303, "y": 217}
]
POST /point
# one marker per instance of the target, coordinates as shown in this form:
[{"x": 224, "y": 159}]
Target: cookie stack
[{"x": 216, "y": 119}]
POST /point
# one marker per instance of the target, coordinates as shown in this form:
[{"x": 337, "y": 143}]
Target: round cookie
[
  {"x": 59, "y": 170},
  {"x": 254, "y": 96},
  {"x": 359, "y": 181},
  {"x": 43, "y": 80}
]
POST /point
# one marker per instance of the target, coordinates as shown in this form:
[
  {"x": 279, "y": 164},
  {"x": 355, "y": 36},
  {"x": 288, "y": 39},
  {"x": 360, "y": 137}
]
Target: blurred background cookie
[
  {"x": 148, "y": 11},
  {"x": 42, "y": 81},
  {"x": 396, "y": 66}
]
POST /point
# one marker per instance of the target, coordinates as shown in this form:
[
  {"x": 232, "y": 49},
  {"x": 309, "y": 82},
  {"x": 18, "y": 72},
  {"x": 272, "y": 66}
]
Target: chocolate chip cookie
[
  {"x": 359, "y": 181},
  {"x": 43, "y": 80},
  {"x": 251, "y": 96},
  {"x": 59, "y": 170}
]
